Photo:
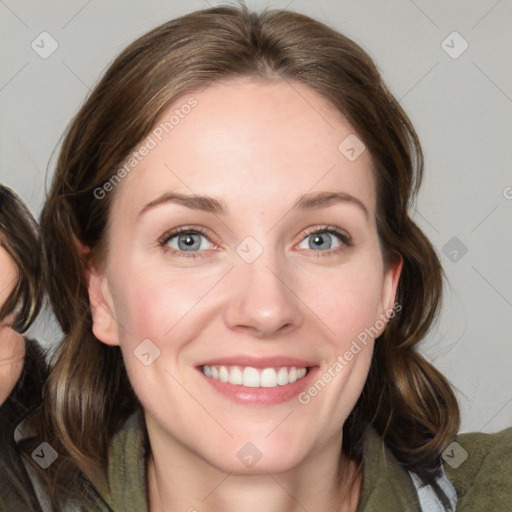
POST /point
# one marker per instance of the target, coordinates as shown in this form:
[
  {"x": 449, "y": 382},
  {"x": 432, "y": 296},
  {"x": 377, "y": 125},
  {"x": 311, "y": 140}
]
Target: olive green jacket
[
  {"x": 483, "y": 481},
  {"x": 479, "y": 466}
]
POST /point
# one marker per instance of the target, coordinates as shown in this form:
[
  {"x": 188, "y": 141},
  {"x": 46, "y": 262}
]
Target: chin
[{"x": 252, "y": 457}]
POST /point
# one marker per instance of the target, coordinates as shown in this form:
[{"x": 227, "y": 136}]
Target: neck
[
  {"x": 175, "y": 483},
  {"x": 12, "y": 351}
]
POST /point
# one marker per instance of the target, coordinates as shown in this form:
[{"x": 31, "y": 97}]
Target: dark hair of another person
[{"x": 19, "y": 236}]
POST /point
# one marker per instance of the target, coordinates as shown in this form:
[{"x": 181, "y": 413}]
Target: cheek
[
  {"x": 148, "y": 306},
  {"x": 347, "y": 299},
  {"x": 162, "y": 304}
]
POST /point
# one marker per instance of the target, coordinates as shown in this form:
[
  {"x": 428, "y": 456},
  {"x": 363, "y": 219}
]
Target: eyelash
[{"x": 345, "y": 239}]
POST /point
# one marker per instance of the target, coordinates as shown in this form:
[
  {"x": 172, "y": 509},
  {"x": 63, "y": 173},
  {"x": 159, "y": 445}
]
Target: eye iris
[
  {"x": 189, "y": 241},
  {"x": 318, "y": 237}
]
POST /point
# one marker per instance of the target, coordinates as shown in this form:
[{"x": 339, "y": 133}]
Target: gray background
[{"x": 461, "y": 106}]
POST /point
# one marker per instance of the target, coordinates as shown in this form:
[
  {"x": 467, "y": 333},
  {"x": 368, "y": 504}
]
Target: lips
[
  {"x": 261, "y": 362},
  {"x": 265, "y": 381}
]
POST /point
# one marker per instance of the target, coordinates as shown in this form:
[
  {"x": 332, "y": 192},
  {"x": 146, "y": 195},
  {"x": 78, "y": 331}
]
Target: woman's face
[{"x": 249, "y": 288}]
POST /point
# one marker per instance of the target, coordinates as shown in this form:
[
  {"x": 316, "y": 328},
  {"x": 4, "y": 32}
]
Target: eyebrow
[{"x": 208, "y": 204}]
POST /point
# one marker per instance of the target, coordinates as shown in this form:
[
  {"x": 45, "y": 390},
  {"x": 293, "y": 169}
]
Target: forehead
[{"x": 254, "y": 144}]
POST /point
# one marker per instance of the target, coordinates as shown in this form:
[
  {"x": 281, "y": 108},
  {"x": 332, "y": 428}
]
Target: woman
[
  {"x": 216, "y": 356},
  {"x": 22, "y": 361}
]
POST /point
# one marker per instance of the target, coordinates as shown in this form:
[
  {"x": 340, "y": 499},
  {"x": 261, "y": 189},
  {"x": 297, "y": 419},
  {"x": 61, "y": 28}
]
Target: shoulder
[
  {"x": 479, "y": 466},
  {"x": 16, "y": 489},
  {"x": 36, "y": 456},
  {"x": 27, "y": 394}
]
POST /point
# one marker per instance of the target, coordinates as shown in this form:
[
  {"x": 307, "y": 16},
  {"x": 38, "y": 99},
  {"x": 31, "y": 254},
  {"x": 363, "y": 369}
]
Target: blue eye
[
  {"x": 189, "y": 241},
  {"x": 322, "y": 239}
]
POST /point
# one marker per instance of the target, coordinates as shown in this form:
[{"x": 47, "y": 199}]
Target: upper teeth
[{"x": 254, "y": 377}]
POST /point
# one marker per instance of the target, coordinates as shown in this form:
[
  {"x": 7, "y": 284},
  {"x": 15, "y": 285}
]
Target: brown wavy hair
[{"x": 408, "y": 401}]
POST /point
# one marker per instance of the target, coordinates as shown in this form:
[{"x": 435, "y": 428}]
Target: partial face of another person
[
  {"x": 250, "y": 290},
  {"x": 11, "y": 344},
  {"x": 8, "y": 278}
]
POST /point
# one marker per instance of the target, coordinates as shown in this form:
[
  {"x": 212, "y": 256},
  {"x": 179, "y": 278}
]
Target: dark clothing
[{"x": 15, "y": 484}]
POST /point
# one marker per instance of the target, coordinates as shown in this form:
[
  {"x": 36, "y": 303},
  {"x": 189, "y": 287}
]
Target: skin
[
  {"x": 258, "y": 147},
  {"x": 12, "y": 345}
]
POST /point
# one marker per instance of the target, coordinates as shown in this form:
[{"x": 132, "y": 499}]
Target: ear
[
  {"x": 391, "y": 280},
  {"x": 104, "y": 325}
]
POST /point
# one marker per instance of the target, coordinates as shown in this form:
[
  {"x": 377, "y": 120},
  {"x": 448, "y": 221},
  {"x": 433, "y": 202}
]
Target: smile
[{"x": 254, "y": 377}]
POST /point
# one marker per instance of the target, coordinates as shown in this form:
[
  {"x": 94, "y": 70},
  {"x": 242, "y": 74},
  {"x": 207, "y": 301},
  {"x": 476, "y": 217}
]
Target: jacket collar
[
  {"x": 387, "y": 486},
  {"x": 127, "y": 466}
]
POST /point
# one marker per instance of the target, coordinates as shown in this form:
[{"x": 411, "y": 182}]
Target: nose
[{"x": 263, "y": 302}]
